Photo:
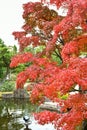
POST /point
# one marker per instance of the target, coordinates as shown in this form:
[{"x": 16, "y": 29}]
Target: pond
[{"x": 12, "y": 113}]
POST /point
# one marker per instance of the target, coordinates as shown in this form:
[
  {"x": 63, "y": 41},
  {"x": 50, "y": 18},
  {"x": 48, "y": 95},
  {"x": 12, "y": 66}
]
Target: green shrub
[{"x": 7, "y": 86}]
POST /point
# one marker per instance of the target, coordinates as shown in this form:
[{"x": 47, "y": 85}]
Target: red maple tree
[{"x": 66, "y": 38}]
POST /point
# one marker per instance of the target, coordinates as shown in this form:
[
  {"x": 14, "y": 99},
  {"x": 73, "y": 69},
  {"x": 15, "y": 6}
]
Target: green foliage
[
  {"x": 38, "y": 49},
  {"x": 7, "y": 86},
  {"x": 18, "y": 69},
  {"x": 63, "y": 97},
  {"x": 6, "y": 52},
  {"x": 56, "y": 57},
  {"x": 34, "y": 50},
  {"x": 83, "y": 54}
]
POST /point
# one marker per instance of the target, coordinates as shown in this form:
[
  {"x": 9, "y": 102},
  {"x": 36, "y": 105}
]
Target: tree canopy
[{"x": 66, "y": 38}]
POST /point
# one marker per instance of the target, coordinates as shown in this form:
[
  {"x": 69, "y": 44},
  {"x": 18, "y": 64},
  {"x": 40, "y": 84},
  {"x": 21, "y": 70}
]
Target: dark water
[{"x": 12, "y": 112}]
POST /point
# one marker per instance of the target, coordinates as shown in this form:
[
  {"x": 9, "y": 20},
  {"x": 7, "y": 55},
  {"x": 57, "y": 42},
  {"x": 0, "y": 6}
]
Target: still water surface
[{"x": 12, "y": 112}]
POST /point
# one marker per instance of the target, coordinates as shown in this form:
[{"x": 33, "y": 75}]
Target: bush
[{"x": 7, "y": 86}]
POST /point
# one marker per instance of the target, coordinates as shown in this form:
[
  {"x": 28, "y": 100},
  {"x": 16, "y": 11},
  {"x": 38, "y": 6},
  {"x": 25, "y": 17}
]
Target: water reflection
[
  {"x": 12, "y": 113},
  {"x": 27, "y": 129}
]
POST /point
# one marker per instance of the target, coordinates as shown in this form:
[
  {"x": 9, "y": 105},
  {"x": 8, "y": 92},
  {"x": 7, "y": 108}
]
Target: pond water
[{"x": 12, "y": 112}]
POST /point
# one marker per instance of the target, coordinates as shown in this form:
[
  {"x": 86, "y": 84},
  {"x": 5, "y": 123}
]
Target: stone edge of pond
[{"x": 19, "y": 93}]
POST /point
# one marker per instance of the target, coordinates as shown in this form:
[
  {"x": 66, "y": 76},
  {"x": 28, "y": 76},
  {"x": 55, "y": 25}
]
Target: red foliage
[
  {"x": 20, "y": 58},
  {"x": 60, "y": 36},
  {"x": 74, "y": 48},
  {"x": 46, "y": 117}
]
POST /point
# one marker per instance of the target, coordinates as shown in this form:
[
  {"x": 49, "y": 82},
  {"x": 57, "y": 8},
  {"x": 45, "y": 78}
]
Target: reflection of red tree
[{"x": 58, "y": 35}]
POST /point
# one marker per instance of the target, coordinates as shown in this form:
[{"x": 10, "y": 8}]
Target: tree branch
[
  {"x": 80, "y": 91},
  {"x": 58, "y": 55}
]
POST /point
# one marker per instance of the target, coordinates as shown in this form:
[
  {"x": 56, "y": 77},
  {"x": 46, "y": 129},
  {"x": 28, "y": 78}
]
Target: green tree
[{"x": 6, "y": 52}]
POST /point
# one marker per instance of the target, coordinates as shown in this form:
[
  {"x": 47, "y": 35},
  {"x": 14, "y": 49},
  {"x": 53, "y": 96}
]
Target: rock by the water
[
  {"x": 53, "y": 106},
  {"x": 20, "y": 93}
]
